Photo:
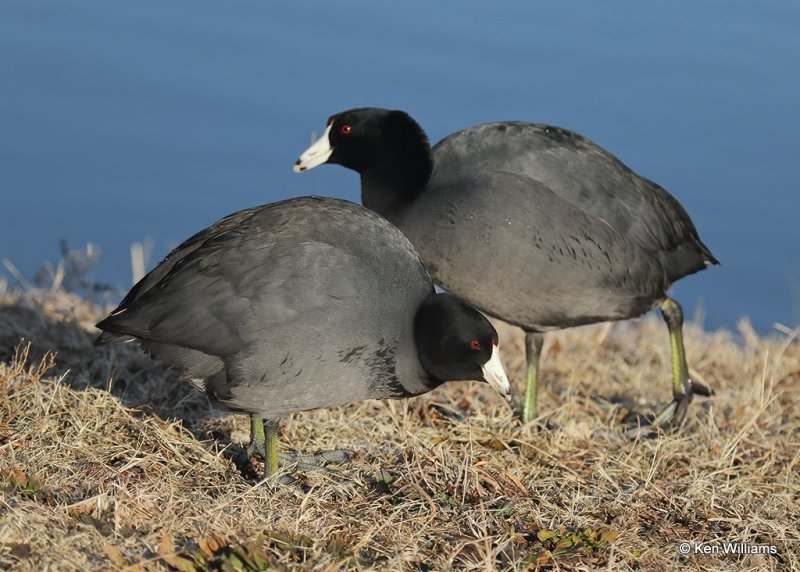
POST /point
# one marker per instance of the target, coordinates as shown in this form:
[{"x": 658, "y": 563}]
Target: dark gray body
[
  {"x": 542, "y": 228},
  {"x": 291, "y": 306}
]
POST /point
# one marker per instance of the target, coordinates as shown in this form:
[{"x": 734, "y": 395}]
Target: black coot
[
  {"x": 533, "y": 224},
  {"x": 302, "y": 304}
]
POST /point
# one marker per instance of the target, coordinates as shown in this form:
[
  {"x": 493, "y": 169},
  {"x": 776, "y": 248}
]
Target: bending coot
[
  {"x": 533, "y": 224},
  {"x": 301, "y": 304}
]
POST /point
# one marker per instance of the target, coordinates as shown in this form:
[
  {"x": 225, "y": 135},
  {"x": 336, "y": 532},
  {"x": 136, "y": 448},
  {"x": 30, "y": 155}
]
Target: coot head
[
  {"x": 455, "y": 341},
  {"x": 371, "y": 139}
]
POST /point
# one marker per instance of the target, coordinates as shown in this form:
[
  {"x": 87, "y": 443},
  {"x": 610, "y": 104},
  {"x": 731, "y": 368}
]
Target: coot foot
[
  {"x": 317, "y": 462},
  {"x": 671, "y": 417},
  {"x": 683, "y": 388},
  {"x": 264, "y": 446}
]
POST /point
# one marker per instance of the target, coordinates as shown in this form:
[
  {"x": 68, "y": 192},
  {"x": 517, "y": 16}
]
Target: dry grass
[{"x": 107, "y": 462}]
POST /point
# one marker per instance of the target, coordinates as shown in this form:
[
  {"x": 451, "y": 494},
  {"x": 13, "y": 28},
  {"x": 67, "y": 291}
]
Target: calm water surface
[{"x": 121, "y": 122}]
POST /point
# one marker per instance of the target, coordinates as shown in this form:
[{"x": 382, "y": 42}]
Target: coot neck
[{"x": 391, "y": 186}]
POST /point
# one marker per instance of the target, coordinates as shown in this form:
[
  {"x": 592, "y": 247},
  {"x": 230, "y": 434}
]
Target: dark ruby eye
[
  {"x": 345, "y": 129},
  {"x": 475, "y": 345}
]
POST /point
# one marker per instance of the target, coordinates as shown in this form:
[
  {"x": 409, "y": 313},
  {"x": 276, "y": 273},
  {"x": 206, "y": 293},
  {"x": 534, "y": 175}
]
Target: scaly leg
[
  {"x": 533, "y": 349},
  {"x": 264, "y": 443}
]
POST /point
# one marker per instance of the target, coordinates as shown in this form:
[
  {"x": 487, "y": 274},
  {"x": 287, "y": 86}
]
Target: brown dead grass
[{"x": 107, "y": 462}]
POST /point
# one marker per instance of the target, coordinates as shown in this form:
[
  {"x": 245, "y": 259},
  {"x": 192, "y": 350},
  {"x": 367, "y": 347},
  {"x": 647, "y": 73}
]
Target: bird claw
[
  {"x": 256, "y": 450},
  {"x": 671, "y": 417},
  {"x": 318, "y": 462},
  {"x": 700, "y": 389}
]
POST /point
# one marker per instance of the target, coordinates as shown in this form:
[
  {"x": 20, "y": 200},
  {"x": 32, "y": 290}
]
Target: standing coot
[
  {"x": 533, "y": 224},
  {"x": 301, "y": 304}
]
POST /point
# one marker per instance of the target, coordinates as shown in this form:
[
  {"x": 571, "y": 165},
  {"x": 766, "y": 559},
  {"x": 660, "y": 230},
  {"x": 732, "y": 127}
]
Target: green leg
[
  {"x": 264, "y": 442},
  {"x": 271, "y": 447},
  {"x": 533, "y": 349},
  {"x": 256, "y": 446},
  {"x": 683, "y": 388},
  {"x": 673, "y": 316}
]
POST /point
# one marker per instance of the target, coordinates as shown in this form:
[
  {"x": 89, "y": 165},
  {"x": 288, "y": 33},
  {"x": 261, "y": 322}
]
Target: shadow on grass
[{"x": 63, "y": 324}]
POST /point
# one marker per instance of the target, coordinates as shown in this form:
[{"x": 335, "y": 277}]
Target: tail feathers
[
  {"x": 108, "y": 337},
  {"x": 711, "y": 260},
  {"x": 687, "y": 259},
  {"x": 116, "y": 328}
]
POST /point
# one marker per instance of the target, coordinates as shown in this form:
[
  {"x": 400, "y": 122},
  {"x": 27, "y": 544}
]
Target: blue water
[{"x": 125, "y": 121}]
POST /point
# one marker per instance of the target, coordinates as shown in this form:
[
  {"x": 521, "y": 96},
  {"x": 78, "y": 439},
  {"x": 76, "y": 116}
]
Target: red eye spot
[
  {"x": 475, "y": 345},
  {"x": 345, "y": 129}
]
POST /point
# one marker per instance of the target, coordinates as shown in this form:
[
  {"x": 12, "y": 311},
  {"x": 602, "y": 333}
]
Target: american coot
[
  {"x": 568, "y": 233},
  {"x": 302, "y": 304}
]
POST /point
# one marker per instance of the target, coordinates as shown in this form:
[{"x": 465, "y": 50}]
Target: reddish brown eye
[
  {"x": 475, "y": 345},
  {"x": 345, "y": 129}
]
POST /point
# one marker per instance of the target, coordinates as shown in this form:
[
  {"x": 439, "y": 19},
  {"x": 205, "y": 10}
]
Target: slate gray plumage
[
  {"x": 301, "y": 304},
  {"x": 533, "y": 224}
]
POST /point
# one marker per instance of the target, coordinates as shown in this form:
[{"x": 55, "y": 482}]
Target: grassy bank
[{"x": 108, "y": 462}]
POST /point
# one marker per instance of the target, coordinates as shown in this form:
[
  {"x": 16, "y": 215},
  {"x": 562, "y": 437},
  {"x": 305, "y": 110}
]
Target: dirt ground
[{"x": 108, "y": 462}]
